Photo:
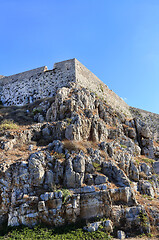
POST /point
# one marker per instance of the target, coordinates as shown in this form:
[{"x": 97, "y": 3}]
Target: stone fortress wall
[
  {"x": 24, "y": 88},
  {"x": 87, "y": 79},
  {"x": 27, "y": 87}
]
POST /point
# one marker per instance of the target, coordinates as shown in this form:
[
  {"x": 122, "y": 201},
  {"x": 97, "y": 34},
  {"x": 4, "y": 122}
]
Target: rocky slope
[{"x": 75, "y": 157}]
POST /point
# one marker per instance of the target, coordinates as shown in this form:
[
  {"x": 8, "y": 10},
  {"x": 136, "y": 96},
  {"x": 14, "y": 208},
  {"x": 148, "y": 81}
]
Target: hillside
[{"x": 74, "y": 156}]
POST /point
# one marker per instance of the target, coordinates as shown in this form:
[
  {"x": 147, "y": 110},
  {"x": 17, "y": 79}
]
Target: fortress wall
[
  {"x": 88, "y": 80},
  {"x": 27, "y": 87},
  {"x": 23, "y": 75}
]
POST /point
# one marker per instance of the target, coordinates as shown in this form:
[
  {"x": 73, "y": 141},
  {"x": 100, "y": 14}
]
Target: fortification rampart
[
  {"x": 87, "y": 79},
  {"x": 26, "y": 87}
]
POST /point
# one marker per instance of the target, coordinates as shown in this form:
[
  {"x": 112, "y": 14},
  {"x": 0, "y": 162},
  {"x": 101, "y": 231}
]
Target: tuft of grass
[
  {"x": 101, "y": 88},
  {"x": 57, "y": 155},
  {"x": 74, "y": 146},
  {"x": 8, "y": 124},
  {"x": 148, "y": 160},
  {"x": 123, "y": 146}
]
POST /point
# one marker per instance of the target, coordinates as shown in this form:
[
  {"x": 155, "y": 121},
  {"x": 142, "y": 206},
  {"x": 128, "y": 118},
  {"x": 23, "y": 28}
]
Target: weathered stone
[
  {"x": 133, "y": 172},
  {"x": 121, "y": 234},
  {"x": 92, "y": 227},
  {"x": 100, "y": 179},
  {"x": 108, "y": 226},
  {"x": 79, "y": 164},
  {"x": 145, "y": 187},
  {"x": 36, "y": 164},
  {"x": 156, "y": 167},
  {"x": 115, "y": 173},
  {"x": 41, "y": 206}
]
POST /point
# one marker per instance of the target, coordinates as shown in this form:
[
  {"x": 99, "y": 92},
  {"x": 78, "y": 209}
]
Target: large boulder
[
  {"x": 156, "y": 167},
  {"x": 36, "y": 163}
]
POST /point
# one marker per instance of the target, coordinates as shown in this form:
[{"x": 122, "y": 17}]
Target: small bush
[
  {"x": 144, "y": 221},
  {"x": 57, "y": 155},
  {"x": 37, "y": 110},
  {"x": 69, "y": 121},
  {"x": 8, "y": 124},
  {"x": 66, "y": 193},
  {"x": 97, "y": 166}
]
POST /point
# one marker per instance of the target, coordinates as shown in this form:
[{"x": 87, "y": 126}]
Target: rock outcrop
[{"x": 83, "y": 160}]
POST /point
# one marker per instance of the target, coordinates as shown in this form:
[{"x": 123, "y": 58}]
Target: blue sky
[{"x": 118, "y": 40}]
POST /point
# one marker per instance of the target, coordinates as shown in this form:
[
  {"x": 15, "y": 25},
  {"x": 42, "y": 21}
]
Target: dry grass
[
  {"x": 142, "y": 175},
  {"x": 103, "y": 154},
  {"x": 77, "y": 146},
  {"x": 20, "y": 153},
  {"x": 8, "y": 124}
]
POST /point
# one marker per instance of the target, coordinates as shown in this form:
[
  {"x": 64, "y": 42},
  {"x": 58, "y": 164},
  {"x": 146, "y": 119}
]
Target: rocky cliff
[{"x": 73, "y": 156}]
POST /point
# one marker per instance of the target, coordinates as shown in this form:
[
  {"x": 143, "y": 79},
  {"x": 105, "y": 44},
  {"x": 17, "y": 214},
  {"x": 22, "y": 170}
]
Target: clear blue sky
[{"x": 118, "y": 40}]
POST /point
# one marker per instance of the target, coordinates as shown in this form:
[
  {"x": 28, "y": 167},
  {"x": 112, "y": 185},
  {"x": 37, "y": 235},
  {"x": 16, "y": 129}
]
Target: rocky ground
[{"x": 74, "y": 157}]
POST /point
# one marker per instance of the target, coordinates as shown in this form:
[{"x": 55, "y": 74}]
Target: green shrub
[
  {"x": 144, "y": 221},
  {"x": 97, "y": 166},
  {"x": 72, "y": 231},
  {"x": 69, "y": 121},
  {"x": 66, "y": 193},
  {"x": 37, "y": 110}
]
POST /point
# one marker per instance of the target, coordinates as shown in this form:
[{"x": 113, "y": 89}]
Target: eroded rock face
[
  {"x": 36, "y": 164},
  {"x": 89, "y": 166},
  {"x": 156, "y": 167}
]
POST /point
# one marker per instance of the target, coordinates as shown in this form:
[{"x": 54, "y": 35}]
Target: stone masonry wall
[
  {"x": 88, "y": 80},
  {"x": 29, "y": 86}
]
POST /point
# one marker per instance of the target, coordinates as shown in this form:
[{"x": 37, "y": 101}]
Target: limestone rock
[
  {"x": 121, "y": 234},
  {"x": 108, "y": 226},
  {"x": 36, "y": 163},
  {"x": 92, "y": 227},
  {"x": 145, "y": 187},
  {"x": 156, "y": 167}
]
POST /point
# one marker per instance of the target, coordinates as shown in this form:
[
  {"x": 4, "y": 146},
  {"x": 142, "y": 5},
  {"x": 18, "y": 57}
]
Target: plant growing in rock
[
  {"x": 69, "y": 121},
  {"x": 123, "y": 146},
  {"x": 57, "y": 155},
  {"x": 97, "y": 166},
  {"x": 148, "y": 160},
  {"x": 144, "y": 221},
  {"x": 66, "y": 193}
]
